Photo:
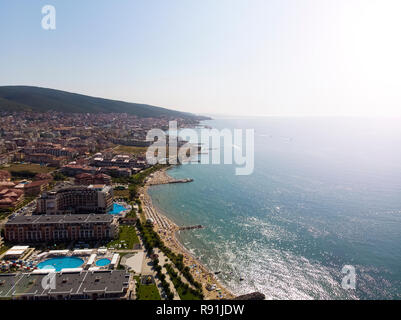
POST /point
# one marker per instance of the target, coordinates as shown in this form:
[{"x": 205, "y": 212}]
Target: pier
[
  {"x": 192, "y": 227},
  {"x": 181, "y": 181},
  {"x": 169, "y": 180}
]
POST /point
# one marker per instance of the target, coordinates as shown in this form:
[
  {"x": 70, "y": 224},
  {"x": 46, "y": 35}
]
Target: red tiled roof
[
  {"x": 11, "y": 194},
  {"x": 102, "y": 175},
  {"x": 7, "y": 184},
  {"x": 83, "y": 175},
  {"x": 4, "y": 174},
  {"x": 43, "y": 176},
  {"x": 36, "y": 183}
]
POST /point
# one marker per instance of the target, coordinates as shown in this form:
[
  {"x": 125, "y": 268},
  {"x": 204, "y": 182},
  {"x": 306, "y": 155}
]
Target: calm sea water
[{"x": 324, "y": 193}]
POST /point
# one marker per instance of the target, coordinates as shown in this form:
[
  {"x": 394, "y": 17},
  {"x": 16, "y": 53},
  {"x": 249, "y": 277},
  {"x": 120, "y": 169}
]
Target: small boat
[
  {"x": 241, "y": 279},
  {"x": 217, "y": 272}
]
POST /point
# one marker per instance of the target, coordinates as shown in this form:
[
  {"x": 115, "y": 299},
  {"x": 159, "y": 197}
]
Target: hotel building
[
  {"x": 76, "y": 199},
  {"x": 60, "y": 228}
]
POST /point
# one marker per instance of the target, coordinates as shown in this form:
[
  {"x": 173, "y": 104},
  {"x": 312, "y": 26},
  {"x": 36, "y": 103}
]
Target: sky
[{"x": 234, "y": 57}]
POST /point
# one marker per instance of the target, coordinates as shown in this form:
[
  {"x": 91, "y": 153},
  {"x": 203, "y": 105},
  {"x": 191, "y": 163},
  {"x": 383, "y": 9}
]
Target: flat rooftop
[
  {"x": 67, "y": 188},
  {"x": 71, "y": 218},
  {"x": 67, "y": 283}
]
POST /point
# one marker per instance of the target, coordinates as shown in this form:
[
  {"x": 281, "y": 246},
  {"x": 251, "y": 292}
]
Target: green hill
[{"x": 26, "y": 98}]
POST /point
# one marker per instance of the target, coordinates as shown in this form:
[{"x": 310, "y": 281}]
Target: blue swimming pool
[
  {"x": 117, "y": 208},
  {"x": 103, "y": 262},
  {"x": 61, "y": 263}
]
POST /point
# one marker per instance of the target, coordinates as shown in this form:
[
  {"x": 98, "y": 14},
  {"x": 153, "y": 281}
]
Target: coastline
[{"x": 167, "y": 230}]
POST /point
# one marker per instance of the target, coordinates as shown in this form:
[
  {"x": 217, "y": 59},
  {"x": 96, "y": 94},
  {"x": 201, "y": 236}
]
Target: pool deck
[
  {"x": 120, "y": 209},
  {"x": 60, "y": 263},
  {"x": 89, "y": 258}
]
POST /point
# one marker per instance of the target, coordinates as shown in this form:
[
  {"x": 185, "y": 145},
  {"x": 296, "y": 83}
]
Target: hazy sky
[{"x": 243, "y": 57}]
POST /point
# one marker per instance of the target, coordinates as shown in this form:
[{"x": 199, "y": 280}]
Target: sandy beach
[{"x": 167, "y": 231}]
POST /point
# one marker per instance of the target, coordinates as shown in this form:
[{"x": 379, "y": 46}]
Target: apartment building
[
  {"x": 10, "y": 197},
  {"x": 46, "y": 158},
  {"x": 88, "y": 179}
]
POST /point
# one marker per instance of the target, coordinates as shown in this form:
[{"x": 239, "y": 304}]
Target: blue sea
[{"x": 325, "y": 193}]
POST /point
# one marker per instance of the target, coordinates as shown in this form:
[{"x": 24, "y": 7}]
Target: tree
[{"x": 58, "y": 176}]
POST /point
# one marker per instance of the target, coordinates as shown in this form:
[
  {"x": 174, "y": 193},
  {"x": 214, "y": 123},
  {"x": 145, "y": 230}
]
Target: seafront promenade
[{"x": 167, "y": 231}]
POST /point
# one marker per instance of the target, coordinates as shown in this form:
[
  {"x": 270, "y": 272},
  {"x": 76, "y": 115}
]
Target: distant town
[{"x": 72, "y": 204}]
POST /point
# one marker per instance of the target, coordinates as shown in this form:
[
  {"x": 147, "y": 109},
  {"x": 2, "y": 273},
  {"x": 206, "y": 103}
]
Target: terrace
[{"x": 61, "y": 260}]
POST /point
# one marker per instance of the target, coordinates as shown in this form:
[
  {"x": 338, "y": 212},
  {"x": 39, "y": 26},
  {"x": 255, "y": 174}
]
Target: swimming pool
[
  {"x": 61, "y": 263},
  {"x": 117, "y": 208},
  {"x": 103, "y": 262}
]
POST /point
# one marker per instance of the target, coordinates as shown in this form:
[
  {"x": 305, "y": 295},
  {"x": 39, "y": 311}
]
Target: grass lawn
[
  {"x": 131, "y": 150},
  {"x": 146, "y": 292},
  {"x": 126, "y": 238},
  {"x": 4, "y": 214},
  {"x": 26, "y": 170},
  {"x": 24, "y": 203},
  {"x": 131, "y": 214},
  {"x": 3, "y": 249},
  {"x": 184, "y": 294},
  {"x": 120, "y": 266},
  {"x": 37, "y": 168},
  {"x": 121, "y": 193}
]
